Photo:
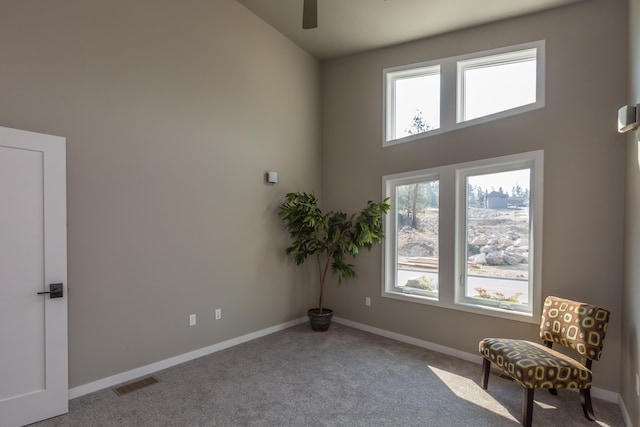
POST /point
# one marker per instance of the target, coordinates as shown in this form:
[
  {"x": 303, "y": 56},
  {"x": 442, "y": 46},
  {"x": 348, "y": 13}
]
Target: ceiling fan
[{"x": 310, "y": 14}]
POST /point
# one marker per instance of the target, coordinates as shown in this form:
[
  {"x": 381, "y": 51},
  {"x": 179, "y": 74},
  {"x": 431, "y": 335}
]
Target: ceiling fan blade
[{"x": 310, "y": 14}]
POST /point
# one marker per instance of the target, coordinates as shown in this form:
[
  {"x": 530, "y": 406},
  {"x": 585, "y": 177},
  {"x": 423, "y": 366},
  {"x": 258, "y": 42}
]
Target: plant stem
[
  {"x": 320, "y": 275},
  {"x": 323, "y": 275}
]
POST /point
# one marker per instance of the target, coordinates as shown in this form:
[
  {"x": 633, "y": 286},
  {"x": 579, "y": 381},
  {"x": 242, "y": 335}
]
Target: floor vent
[{"x": 135, "y": 385}]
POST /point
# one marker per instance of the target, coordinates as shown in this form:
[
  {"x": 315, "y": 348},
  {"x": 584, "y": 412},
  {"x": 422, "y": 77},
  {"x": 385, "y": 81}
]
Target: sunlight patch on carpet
[{"x": 469, "y": 390}]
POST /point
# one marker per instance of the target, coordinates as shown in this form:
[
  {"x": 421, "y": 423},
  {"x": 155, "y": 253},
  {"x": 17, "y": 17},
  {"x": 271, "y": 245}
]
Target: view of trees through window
[
  {"x": 417, "y": 207},
  {"x": 418, "y": 124},
  {"x": 417, "y": 103}
]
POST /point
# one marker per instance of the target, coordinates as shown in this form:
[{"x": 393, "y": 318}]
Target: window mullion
[
  {"x": 448, "y": 86},
  {"x": 447, "y": 227}
]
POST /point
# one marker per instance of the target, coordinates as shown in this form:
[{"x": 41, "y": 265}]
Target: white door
[{"x": 33, "y": 255}]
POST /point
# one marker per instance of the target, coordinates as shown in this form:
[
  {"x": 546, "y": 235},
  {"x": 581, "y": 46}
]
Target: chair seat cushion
[{"x": 534, "y": 365}]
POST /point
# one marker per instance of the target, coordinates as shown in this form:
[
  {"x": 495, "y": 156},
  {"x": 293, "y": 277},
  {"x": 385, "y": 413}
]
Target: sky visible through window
[
  {"x": 496, "y": 88},
  {"x": 417, "y": 94}
]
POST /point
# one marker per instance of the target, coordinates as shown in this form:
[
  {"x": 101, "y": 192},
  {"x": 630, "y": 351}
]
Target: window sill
[
  {"x": 467, "y": 307},
  {"x": 464, "y": 124}
]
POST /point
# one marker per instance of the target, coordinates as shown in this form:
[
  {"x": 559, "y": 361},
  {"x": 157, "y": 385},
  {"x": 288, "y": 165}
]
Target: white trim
[
  {"x": 113, "y": 380},
  {"x": 625, "y": 413},
  {"x": 176, "y": 360},
  {"x": 599, "y": 393},
  {"x": 534, "y": 161},
  {"x": 475, "y": 358},
  {"x": 498, "y": 59}
]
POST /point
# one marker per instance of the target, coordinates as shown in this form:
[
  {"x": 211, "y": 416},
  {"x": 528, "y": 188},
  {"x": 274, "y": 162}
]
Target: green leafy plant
[{"x": 333, "y": 237}]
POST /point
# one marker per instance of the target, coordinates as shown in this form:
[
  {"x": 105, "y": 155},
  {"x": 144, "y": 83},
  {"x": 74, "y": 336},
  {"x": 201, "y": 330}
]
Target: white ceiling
[{"x": 351, "y": 26}]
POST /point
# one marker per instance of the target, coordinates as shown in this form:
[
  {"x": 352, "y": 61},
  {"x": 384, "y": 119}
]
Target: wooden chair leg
[
  {"x": 486, "y": 368},
  {"x": 527, "y": 406},
  {"x": 585, "y": 399}
]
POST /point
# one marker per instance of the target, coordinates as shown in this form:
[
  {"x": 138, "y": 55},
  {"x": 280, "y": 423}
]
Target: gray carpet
[{"x": 342, "y": 377}]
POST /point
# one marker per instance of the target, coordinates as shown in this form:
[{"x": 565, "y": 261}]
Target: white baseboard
[
  {"x": 596, "y": 392},
  {"x": 172, "y": 361},
  {"x": 410, "y": 340},
  {"x": 132, "y": 374}
]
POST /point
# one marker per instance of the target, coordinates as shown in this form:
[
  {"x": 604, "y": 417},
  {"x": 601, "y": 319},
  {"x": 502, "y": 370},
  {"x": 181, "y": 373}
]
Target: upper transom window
[
  {"x": 491, "y": 84},
  {"x": 415, "y": 101},
  {"x": 420, "y": 101}
]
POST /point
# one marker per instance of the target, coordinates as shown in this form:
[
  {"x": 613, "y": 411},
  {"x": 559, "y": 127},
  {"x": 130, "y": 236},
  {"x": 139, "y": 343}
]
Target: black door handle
[{"x": 55, "y": 290}]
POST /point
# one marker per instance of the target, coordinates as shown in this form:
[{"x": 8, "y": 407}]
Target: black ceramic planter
[{"x": 320, "y": 321}]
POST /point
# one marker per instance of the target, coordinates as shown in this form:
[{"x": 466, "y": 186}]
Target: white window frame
[
  {"x": 494, "y": 59},
  {"x": 391, "y": 76},
  {"x": 452, "y": 235},
  {"x": 451, "y": 94},
  {"x": 390, "y": 261}
]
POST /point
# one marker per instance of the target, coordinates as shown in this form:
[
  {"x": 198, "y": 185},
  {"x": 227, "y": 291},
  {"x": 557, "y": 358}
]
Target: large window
[
  {"x": 446, "y": 94},
  {"x": 462, "y": 236}
]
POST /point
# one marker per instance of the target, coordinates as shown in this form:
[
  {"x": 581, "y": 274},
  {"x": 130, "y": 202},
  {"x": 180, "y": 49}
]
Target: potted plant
[{"x": 332, "y": 238}]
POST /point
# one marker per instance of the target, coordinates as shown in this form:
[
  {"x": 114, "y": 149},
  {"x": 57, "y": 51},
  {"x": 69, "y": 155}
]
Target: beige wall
[
  {"x": 630, "y": 356},
  {"x": 173, "y": 111},
  {"x": 584, "y": 167}
]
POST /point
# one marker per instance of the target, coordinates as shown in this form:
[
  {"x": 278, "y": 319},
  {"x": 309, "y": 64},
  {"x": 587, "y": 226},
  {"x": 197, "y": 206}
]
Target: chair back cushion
[{"x": 575, "y": 325}]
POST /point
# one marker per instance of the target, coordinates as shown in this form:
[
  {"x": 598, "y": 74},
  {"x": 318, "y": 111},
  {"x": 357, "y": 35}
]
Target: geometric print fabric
[
  {"x": 578, "y": 326},
  {"x": 534, "y": 365}
]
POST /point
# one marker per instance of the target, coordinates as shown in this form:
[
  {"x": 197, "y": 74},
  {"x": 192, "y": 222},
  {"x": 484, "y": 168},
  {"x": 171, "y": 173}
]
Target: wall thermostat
[{"x": 272, "y": 177}]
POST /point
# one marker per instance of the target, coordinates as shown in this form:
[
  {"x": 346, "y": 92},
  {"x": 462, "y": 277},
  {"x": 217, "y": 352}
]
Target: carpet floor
[{"x": 342, "y": 377}]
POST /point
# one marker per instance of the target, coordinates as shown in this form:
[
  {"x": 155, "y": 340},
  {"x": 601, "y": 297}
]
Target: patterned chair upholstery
[{"x": 575, "y": 325}]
